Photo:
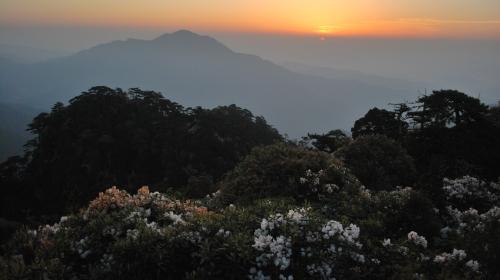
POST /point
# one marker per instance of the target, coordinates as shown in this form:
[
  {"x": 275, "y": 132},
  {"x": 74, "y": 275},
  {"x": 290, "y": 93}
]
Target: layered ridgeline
[{"x": 200, "y": 71}]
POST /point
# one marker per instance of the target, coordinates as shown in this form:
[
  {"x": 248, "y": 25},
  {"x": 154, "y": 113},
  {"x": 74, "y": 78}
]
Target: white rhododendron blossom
[
  {"x": 456, "y": 255},
  {"x": 348, "y": 234},
  {"x": 281, "y": 238},
  {"x": 472, "y": 265},
  {"x": 313, "y": 180},
  {"x": 298, "y": 216},
  {"x": 471, "y": 220},
  {"x": 277, "y": 234},
  {"x": 470, "y": 188},
  {"x": 386, "y": 242},
  {"x": 175, "y": 218},
  {"x": 417, "y": 239}
]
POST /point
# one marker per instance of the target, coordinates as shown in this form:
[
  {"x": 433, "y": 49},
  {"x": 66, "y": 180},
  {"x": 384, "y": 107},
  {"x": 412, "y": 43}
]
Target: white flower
[
  {"x": 456, "y": 255},
  {"x": 468, "y": 187},
  {"x": 133, "y": 233},
  {"x": 175, "y": 218},
  {"x": 223, "y": 233},
  {"x": 386, "y": 242},
  {"x": 417, "y": 239},
  {"x": 473, "y": 265},
  {"x": 298, "y": 216},
  {"x": 263, "y": 224}
]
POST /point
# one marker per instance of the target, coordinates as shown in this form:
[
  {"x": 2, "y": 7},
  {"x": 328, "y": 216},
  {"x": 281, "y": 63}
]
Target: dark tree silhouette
[
  {"x": 329, "y": 142},
  {"x": 107, "y": 137},
  {"x": 451, "y": 135},
  {"x": 380, "y": 121},
  {"x": 379, "y": 162},
  {"x": 447, "y": 108}
]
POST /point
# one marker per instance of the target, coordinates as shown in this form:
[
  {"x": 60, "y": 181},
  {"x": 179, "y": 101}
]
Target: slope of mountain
[
  {"x": 24, "y": 54},
  {"x": 352, "y": 75},
  {"x": 198, "y": 70},
  {"x": 14, "y": 120}
]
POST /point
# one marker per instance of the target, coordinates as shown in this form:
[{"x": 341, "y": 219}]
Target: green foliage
[
  {"x": 378, "y": 162},
  {"x": 380, "y": 121},
  {"x": 281, "y": 211},
  {"x": 112, "y": 137},
  {"x": 448, "y": 134},
  {"x": 363, "y": 235},
  {"x": 274, "y": 171},
  {"x": 329, "y": 142},
  {"x": 394, "y": 213},
  {"x": 445, "y": 108},
  {"x": 219, "y": 138},
  {"x": 454, "y": 135}
]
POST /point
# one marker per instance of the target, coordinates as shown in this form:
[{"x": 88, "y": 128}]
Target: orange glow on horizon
[{"x": 385, "y": 18}]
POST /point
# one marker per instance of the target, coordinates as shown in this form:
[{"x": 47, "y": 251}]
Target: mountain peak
[
  {"x": 190, "y": 40},
  {"x": 179, "y": 34},
  {"x": 185, "y": 32}
]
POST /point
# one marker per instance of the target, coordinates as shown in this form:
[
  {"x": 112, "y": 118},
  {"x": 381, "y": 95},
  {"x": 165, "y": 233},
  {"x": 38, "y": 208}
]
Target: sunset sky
[{"x": 398, "y": 18}]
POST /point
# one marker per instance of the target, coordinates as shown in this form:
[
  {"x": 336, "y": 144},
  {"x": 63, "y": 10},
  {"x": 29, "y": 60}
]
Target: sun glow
[
  {"x": 325, "y": 17},
  {"x": 326, "y": 29}
]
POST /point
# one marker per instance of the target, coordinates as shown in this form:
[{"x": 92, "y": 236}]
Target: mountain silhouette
[{"x": 197, "y": 70}]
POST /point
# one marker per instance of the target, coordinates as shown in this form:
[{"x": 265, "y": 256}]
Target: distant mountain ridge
[
  {"x": 14, "y": 120},
  {"x": 24, "y": 54},
  {"x": 198, "y": 70}
]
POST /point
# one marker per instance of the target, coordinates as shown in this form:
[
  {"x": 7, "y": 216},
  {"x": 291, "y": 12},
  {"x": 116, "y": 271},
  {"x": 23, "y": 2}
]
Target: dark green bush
[
  {"x": 275, "y": 171},
  {"x": 379, "y": 162}
]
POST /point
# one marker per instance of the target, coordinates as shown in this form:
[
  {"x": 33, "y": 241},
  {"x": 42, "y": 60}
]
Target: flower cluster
[
  {"x": 417, "y": 239},
  {"x": 348, "y": 234},
  {"x": 456, "y": 257},
  {"x": 468, "y": 192},
  {"x": 119, "y": 233},
  {"x": 315, "y": 247},
  {"x": 470, "y": 220},
  {"x": 313, "y": 182}
]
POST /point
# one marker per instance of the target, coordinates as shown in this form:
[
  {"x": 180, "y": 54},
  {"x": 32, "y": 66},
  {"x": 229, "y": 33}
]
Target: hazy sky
[{"x": 408, "y": 18}]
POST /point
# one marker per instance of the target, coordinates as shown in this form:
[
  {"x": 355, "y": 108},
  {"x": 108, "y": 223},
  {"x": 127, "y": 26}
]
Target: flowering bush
[
  {"x": 473, "y": 219},
  {"x": 339, "y": 230},
  {"x": 468, "y": 192},
  {"x": 299, "y": 245},
  {"x": 272, "y": 171}
]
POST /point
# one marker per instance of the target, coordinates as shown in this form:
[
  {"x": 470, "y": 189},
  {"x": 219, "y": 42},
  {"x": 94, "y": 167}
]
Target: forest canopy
[{"x": 107, "y": 137}]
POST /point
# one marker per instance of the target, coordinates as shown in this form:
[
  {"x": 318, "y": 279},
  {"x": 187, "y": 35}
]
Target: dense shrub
[
  {"x": 152, "y": 236},
  {"x": 393, "y": 213},
  {"x": 379, "y": 162},
  {"x": 275, "y": 171}
]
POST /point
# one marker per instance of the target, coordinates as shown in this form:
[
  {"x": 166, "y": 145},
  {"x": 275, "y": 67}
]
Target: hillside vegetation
[{"x": 130, "y": 185}]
